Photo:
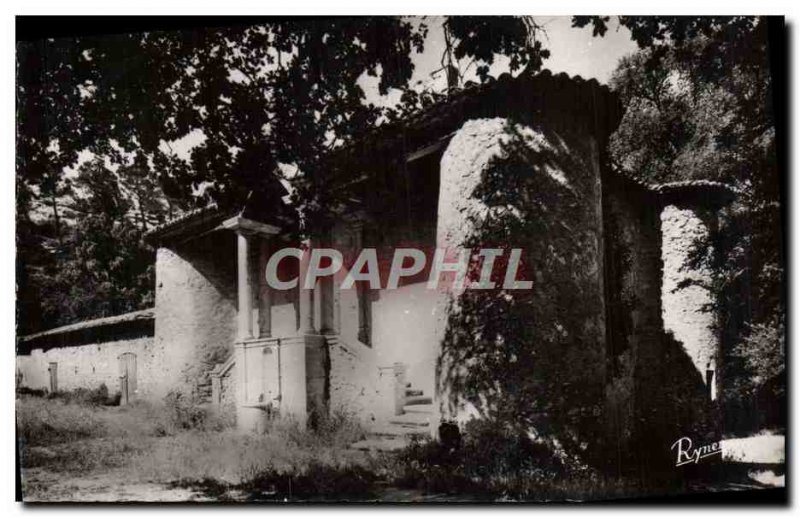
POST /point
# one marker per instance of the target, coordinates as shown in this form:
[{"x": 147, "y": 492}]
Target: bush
[
  {"x": 184, "y": 411},
  {"x": 339, "y": 428},
  {"x": 316, "y": 481},
  {"x": 23, "y": 390},
  {"x": 41, "y": 421},
  {"x": 90, "y": 397},
  {"x": 494, "y": 460}
]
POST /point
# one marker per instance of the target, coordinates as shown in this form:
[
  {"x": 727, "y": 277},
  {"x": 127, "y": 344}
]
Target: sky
[{"x": 572, "y": 50}]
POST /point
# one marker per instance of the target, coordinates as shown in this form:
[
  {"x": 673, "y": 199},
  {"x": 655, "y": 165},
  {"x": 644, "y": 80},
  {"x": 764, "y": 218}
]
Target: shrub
[
  {"x": 41, "y": 421},
  {"x": 183, "y": 411},
  {"x": 23, "y": 390},
  {"x": 187, "y": 411},
  {"x": 338, "y": 428},
  {"x": 316, "y": 481},
  {"x": 494, "y": 460},
  {"x": 91, "y": 397}
]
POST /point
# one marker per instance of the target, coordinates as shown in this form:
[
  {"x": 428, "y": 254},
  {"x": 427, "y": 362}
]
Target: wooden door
[
  {"x": 127, "y": 376},
  {"x": 53, "y": 369}
]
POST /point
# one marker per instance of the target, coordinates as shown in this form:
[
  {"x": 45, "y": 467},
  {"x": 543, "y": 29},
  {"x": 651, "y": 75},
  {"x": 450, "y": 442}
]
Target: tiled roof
[
  {"x": 190, "y": 216},
  {"x": 701, "y": 192},
  {"x": 454, "y": 103},
  {"x": 130, "y": 317},
  {"x": 673, "y": 186},
  {"x": 450, "y": 106}
]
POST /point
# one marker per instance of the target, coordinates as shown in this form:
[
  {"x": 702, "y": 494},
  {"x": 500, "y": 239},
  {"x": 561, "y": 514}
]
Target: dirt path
[{"x": 40, "y": 485}]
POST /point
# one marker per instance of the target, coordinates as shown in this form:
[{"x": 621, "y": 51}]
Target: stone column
[
  {"x": 306, "y": 295},
  {"x": 250, "y": 416},
  {"x": 264, "y": 295},
  {"x": 243, "y": 279},
  {"x": 327, "y": 311},
  {"x": 324, "y": 291},
  {"x": 362, "y": 293},
  {"x": 400, "y": 370}
]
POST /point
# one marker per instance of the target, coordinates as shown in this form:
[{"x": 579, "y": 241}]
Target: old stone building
[
  {"x": 218, "y": 329},
  {"x": 88, "y": 354}
]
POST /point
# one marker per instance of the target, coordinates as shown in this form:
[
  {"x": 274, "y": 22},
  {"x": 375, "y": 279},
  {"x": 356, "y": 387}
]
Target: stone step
[
  {"x": 413, "y": 393},
  {"x": 396, "y": 430},
  {"x": 418, "y": 400},
  {"x": 379, "y": 444},
  {"x": 412, "y": 419},
  {"x": 425, "y": 409}
]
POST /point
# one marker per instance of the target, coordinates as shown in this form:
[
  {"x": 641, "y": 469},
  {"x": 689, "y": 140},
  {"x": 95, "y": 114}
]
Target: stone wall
[
  {"x": 655, "y": 394},
  {"x": 226, "y": 405},
  {"x": 635, "y": 338},
  {"x": 404, "y": 331},
  {"x": 195, "y": 311},
  {"x": 358, "y": 386},
  {"x": 87, "y": 365},
  {"x": 685, "y": 294},
  {"x": 545, "y": 198}
]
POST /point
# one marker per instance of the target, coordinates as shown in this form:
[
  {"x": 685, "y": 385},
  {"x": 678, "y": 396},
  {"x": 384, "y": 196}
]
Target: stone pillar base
[
  {"x": 252, "y": 419},
  {"x": 303, "y": 366}
]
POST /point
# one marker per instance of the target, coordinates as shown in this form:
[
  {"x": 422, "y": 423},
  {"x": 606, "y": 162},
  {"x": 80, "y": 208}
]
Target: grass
[
  {"x": 178, "y": 445},
  {"x": 494, "y": 462},
  {"x": 172, "y": 445}
]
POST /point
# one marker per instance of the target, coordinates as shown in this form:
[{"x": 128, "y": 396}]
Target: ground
[
  {"x": 41, "y": 485},
  {"x": 73, "y": 449}
]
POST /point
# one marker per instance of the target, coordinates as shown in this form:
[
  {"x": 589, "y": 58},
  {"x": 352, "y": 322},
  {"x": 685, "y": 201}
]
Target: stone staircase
[{"x": 399, "y": 430}]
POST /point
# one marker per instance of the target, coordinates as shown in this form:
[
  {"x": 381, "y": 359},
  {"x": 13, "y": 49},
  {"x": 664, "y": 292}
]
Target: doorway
[
  {"x": 53, "y": 369},
  {"x": 127, "y": 377}
]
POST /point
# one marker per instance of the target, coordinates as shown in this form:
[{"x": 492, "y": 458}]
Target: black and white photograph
[{"x": 400, "y": 259}]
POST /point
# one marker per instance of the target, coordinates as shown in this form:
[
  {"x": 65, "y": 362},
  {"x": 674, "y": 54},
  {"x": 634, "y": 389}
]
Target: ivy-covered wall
[
  {"x": 530, "y": 357},
  {"x": 654, "y": 393}
]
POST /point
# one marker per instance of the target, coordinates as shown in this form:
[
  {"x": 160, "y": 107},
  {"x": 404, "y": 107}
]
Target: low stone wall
[
  {"x": 358, "y": 386},
  {"x": 86, "y": 366},
  {"x": 403, "y": 329}
]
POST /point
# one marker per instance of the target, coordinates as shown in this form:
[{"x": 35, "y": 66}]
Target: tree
[
  {"x": 281, "y": 91},
  {"x": 699, "y": 105},
  {"x": 101, "y": 267}
]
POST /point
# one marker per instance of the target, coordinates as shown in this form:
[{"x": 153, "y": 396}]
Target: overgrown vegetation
[
  {"x": 183, "y": 444},
  {"x": 498, "y": 461},
  {"x": 93, "y": 397},
  {"x": 700, "y": 105},
  {"x": 142, "y": 443},
  {"x": 532, "y": 358}
]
